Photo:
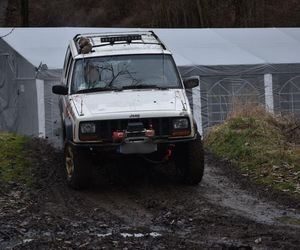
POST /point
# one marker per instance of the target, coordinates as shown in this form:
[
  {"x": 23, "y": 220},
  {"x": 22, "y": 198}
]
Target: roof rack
[
  {"x": 158, "y": 39},
  {"x": 119, "y": 38}
]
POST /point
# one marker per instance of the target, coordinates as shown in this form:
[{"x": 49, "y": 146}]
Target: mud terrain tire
[
  {"x": 77, "y": 167},
  {"x": 189, "y": 161}
]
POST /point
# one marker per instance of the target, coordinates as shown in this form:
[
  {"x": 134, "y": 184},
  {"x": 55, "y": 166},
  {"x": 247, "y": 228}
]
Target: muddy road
[{"x": 133, "y": 205}]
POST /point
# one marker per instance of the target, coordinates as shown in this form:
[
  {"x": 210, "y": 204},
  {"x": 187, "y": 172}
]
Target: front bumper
[{"x": 113, "y": 147}]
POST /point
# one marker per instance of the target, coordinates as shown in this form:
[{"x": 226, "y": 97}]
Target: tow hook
[
  {"x": 118, "y": 136},
  {"x": 169, "y": 152}
]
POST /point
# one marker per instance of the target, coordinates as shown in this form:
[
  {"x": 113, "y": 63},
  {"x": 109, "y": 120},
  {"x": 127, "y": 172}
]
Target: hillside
[{"x": 262, "y": 146}]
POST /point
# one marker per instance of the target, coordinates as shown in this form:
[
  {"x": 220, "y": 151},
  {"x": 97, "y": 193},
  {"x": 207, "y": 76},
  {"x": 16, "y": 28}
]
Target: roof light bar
[{"x": 126, "y": 38}]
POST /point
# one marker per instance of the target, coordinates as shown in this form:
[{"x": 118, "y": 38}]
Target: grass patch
[
  {"x": 288, "y": 220},
  {"x": 264, "y": 147},
  {"x": 14, "y": 162}
]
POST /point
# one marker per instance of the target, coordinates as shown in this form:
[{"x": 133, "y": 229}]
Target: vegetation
[
  {"x": 155, "y": 13},
  {"x": 14, "y": 164},
  {"x": 264, "y": 147},
  {"x": 289, "y": 220}
]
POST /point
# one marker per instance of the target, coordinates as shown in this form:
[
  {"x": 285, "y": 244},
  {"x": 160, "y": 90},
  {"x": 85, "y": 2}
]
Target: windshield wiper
[
  {"x": 144, "y": 86},
  {"x": 98, "y": 89}
]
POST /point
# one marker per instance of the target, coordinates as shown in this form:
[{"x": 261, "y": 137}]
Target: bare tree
[{"x": 200, "y": 12}]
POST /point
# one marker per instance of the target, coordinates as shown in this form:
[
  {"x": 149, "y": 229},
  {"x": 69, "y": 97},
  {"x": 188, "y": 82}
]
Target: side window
[
  {"x": 69, "y": 71},
  {"x": 66, "y": 61},
  {"x": 67, "y": 64}
]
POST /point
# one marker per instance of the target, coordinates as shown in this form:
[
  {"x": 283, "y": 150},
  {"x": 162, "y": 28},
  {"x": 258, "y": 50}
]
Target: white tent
[
  {"x": 259, "y": 64},
  {"x": 17, "y": 106},
  {"x": 190, "y": 46}
]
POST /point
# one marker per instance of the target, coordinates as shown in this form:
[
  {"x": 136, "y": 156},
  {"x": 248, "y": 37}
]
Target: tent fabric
[
  {"x": 17, "y": 89},
  {"x": 52, "y": 119},
  {"x": 190, "y": 46},
  {"x": 224, "y": 88},
  {"x": 235, "y": 66},
  {"x": 49, "y": 74}
]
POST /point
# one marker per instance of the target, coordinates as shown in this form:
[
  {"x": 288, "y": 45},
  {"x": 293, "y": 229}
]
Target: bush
[
  {"x": 14, "y": 164},
  {"x": 263, "y": 146}
]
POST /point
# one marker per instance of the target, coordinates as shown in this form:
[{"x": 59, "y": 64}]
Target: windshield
[{"x": 124, "y": 72}]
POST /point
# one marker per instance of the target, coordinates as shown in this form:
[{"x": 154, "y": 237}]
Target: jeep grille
[{"x": 162, "y": 126}]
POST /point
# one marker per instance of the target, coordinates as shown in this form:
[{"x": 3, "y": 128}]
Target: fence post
[
  {"x": 41, "y": 108},
  {"x": 196, "y": 92},
  {"x": 269, "y": 99}
]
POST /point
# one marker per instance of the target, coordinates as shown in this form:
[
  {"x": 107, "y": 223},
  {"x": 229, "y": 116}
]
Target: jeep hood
[{"x": 132, "y": 101}]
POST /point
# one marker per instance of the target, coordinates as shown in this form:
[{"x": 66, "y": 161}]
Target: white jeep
[{"x": 122, "y": 94}]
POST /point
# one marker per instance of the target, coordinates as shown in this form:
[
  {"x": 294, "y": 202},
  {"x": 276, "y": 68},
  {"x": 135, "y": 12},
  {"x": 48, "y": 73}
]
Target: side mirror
[
  {"x": 60, "y": 89},
  {"x": 191, "y": 82}
]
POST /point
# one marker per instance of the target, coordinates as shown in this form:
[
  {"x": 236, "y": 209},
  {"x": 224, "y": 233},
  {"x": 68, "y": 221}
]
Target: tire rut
[
  {"x": 120, "y": 205},
  {"x": 136, "y": 206},
  {"x": 222, "y": 191}
]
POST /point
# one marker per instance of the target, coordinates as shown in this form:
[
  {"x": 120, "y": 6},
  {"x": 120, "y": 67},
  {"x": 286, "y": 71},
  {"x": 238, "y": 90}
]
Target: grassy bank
[
  {"x": 14, "y": 162},
  {"x": 263, "y": 147}
]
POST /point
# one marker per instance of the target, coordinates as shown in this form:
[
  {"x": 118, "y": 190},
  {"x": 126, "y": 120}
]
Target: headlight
[
  {"x": 88, "y": 128},
  {"x": 180, "y": 123}
]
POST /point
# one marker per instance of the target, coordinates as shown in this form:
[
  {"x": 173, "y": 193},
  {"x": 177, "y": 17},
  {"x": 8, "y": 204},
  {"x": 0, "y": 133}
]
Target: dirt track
[{"x": 135, "y": 206}]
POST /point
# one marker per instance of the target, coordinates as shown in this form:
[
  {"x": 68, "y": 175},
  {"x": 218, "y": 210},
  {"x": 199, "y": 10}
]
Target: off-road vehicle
[{"x": 122, "y": 94}]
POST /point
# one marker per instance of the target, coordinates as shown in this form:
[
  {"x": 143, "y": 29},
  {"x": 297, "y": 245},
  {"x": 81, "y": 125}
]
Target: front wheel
[
  {"x": 77, "y": 167},
  {"x": 189, "y": 161}
]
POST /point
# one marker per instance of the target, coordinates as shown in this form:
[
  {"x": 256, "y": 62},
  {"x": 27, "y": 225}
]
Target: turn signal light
[
  {"x": 181, "y": 133},
  {"x": 88, "y": 137}
]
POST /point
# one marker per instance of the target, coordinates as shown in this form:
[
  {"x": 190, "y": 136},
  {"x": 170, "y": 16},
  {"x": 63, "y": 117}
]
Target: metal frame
[{"x": 89, "y": 35}]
